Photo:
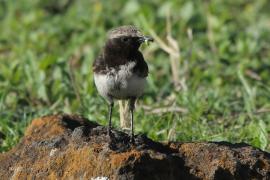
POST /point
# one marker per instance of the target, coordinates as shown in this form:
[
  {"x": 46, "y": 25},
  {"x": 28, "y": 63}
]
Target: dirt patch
[{"x": 71, "y": 147}]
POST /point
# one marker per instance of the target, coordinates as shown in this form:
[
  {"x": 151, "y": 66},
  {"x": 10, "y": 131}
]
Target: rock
[{"x": 71, "y": 147}]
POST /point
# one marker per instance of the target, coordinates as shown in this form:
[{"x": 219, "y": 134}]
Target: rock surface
[{"x": 71, "y": 147}]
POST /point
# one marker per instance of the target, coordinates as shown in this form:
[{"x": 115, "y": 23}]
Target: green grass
[{"x": 45, "y": 66}]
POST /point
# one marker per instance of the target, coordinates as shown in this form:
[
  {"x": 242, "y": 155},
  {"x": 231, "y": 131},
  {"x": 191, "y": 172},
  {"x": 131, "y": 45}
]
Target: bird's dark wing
[
  {"x": 99, "y": 64},
  {"x": 141, "y": 68}
]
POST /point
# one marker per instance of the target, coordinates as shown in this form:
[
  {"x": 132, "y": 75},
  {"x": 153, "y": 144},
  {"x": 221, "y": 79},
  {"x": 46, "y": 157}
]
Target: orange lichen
[
  {"x": 48, "y": 126},
  {"x": 119, "y": 159}
]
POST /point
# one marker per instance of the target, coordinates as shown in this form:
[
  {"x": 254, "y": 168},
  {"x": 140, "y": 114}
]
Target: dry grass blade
[
  {"x": 124, "y": 114},
  {"x": 171, "y": 46}
]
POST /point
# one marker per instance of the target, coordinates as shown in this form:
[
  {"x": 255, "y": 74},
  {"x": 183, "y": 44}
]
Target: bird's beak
[{"x": 146, "y": 39}]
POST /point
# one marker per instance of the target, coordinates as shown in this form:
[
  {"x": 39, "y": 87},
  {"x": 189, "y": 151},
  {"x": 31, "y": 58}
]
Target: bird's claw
[
  {"x": 109, "y": 132},
  {"x": 132, "y": 140}
]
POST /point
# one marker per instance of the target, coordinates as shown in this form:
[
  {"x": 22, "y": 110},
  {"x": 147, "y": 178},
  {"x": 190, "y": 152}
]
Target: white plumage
[{"x": 121, "y": 84}]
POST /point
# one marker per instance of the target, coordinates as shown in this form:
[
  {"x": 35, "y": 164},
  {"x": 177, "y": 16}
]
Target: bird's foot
[
  {"x": 109, "y": 132},
  {"x": 132, "y": 139}
]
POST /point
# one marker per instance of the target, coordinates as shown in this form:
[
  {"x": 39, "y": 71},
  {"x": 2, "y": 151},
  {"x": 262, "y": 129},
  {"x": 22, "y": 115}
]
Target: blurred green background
[{"x": 47, "y": 49}]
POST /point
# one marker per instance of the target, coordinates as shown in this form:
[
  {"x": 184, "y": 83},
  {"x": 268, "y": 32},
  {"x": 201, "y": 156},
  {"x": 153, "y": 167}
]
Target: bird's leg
[
  {"x": 110, "y": 117},
  {"x": 131, "y": 108}
]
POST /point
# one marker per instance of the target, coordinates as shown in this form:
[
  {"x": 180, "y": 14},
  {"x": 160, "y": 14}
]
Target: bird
[{"x": 120, "y": 71}]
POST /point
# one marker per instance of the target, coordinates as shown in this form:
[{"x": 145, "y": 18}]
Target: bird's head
[{"x": 126, "y": 38}]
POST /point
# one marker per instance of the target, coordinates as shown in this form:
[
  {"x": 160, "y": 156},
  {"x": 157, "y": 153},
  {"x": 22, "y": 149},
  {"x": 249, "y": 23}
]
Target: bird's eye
[{"x": 125, "y": 39}]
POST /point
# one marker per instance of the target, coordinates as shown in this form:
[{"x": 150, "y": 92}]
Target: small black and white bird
[{"x": 120, "y": 71}]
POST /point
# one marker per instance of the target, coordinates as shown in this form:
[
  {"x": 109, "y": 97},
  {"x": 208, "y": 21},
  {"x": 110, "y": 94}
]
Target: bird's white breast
[{"x": 121, "y": 83}]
